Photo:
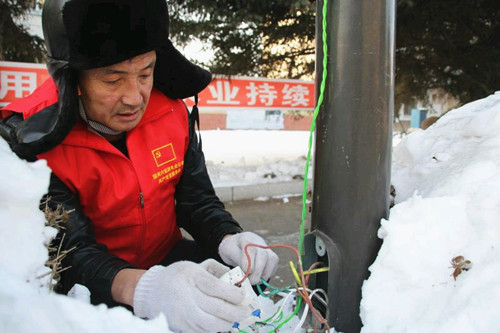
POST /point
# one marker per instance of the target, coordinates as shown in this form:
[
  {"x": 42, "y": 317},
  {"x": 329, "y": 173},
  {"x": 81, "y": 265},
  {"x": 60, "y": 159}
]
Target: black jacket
[{"x": 199, "y": 211}]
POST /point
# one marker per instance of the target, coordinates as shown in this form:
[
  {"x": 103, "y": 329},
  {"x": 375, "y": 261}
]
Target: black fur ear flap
[
  {"x": 48, "y": 127},
  {"x": 176, "y": 76}
]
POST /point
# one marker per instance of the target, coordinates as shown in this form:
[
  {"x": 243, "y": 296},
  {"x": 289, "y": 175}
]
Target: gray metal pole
[{"x": 352, "y": 150}]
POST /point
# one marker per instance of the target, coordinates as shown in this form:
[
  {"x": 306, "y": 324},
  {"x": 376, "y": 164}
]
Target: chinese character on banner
[
  {"x": 223, "y": 93},
  {"x": 18, "y": 80},
  {"x": 265, "y": 92},
  {"x": 21, "y": 84},
  {"x": 295, "y": 95}
]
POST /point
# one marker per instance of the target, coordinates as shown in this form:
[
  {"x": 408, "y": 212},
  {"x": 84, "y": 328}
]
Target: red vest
[{"x": 130, "y": 201}]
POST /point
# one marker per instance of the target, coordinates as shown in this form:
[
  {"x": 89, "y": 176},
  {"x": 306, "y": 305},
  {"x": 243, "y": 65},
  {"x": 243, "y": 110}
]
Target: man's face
[{"x": 117, "y": 95}]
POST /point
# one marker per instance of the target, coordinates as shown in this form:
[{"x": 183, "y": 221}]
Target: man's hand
[
  {"x": 191, "y": 296},
  {"x": 264, "y": 262}
]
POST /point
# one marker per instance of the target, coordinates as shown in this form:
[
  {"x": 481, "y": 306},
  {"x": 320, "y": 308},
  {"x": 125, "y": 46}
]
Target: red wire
[
  {"x": 313, "y": 266},
  {"x": 303, "y": 293}
]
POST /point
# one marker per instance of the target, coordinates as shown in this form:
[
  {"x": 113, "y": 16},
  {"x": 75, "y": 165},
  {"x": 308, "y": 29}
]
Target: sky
[{"x": 447, "y": 181}]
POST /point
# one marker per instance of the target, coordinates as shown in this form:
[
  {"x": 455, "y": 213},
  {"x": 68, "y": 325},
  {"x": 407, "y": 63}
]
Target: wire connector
[{"x": 254, "y": 308}]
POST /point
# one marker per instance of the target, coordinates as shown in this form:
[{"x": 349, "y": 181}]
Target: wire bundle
[{"x": 301, "y": 290}]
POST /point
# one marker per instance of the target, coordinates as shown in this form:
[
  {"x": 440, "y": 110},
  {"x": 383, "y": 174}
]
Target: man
[{"x": 127, "y": 164}]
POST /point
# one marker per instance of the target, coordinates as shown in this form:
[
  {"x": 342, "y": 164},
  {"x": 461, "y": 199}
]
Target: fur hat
[{"x": 86, "y": 34}]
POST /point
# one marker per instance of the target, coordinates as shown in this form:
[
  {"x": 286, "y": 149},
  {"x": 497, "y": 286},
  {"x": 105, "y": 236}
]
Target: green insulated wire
[
  {"x": 313, "y": 125},
  {"x": 287, "y": 319}
]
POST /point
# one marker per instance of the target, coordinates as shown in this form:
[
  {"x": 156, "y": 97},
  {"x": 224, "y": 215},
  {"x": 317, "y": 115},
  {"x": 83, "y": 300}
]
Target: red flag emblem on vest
[{"x": 164, "y": 154}]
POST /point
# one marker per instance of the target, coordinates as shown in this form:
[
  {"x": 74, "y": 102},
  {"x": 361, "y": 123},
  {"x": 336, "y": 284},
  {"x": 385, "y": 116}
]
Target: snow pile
[
  {"x": 25, "y": 302},
  {"x": 447, "y": 180},
  {"x": 21, "y": 221}
]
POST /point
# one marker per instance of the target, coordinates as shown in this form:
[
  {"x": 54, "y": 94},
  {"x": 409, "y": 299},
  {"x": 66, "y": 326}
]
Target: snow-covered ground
[
  {"x": 447, "y": 180},
  {"x": 240, "y": 157}
]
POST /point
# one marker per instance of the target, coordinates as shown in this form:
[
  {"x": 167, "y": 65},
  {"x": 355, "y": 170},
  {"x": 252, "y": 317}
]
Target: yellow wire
[
  {"x": 317, "y": 270},
  {"x": 294, "y": 271},
  {"x": 314, "y": 271}
]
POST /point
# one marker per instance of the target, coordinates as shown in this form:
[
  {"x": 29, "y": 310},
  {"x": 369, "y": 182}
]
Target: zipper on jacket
[
  {"x": 142, "y": 200},
  {"x": 143, "y": 233}
]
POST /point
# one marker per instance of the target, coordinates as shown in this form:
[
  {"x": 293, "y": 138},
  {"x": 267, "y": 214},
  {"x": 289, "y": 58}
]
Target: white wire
[
  {"x": 306, "y": 309},
  {"x": 304, "y": 315},
  {"x": 288, "y": 296},
  {"x": 283, "y": 302}
]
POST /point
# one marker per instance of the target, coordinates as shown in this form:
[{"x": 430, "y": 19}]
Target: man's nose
[{"x": 132, "y": 93}]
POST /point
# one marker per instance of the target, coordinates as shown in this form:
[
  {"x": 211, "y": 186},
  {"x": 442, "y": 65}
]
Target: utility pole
[{"x": 353, "y": 143}]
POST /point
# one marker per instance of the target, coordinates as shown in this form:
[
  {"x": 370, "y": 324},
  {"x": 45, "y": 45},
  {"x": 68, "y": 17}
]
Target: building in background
[{"x": 437, "y": 103}]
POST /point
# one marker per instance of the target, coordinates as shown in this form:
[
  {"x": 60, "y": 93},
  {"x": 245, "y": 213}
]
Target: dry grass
[{"x": 57, "y": 219}]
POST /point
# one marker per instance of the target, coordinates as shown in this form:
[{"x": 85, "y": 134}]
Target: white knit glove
[
  {"x": 264, "y": 262},
  {"x": 191, "y": 296}
]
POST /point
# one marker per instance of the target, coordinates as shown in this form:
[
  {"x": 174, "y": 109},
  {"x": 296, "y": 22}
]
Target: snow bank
[
  {"x": 25, "y": 302},
  {"x": 447, "y": 180}
]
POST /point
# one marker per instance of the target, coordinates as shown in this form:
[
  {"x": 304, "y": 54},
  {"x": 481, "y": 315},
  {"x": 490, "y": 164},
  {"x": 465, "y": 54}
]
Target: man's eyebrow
[{"x": 117, "y": 71}]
